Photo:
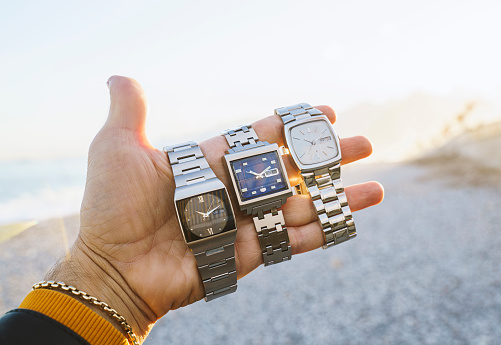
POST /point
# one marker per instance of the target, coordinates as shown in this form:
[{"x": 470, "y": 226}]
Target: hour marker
[
  {"x": 325, "y": 153},
  {"x": 272, "y": 187},
  {"x": 302, "y": 132},
  {"x": 264, "y": 158},
  {"x": 272, "y": 162},
  {"x": 296, "y": 138},
  {"x": 238, "y": 171},
  {"x": 309, "y": 130},
  {"x": 263, "y": 190},
  {"x": 244, "y": 190},
  {"x": 279, "y": 180},
  {"x": 254, "y": 192},
  {"x": 330, "y": 146},
  {"x": 244, "y": 164},
  {"x": 302, "y": 155}
]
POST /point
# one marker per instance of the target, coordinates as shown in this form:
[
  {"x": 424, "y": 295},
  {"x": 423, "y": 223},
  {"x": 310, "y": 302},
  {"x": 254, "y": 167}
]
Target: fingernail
[{"x": 108, "y": 83}]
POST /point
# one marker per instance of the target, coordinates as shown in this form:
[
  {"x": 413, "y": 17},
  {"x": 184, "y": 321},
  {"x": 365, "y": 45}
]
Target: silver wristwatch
[
  {"x": 261, "y": 184},
  {"x": 315, "y": 152},
  {"x": 206, "y": 218}
]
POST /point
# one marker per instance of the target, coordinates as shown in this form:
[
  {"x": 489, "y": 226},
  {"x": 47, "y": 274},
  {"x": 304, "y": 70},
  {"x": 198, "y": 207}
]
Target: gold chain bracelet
[{"x": 93, "y": 300}]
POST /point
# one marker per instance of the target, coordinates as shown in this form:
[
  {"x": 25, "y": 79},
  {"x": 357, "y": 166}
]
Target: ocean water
[{"x": 41, "y": 189}]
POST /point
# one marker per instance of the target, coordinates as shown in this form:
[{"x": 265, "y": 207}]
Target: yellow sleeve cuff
[{"x": 74, "y": 315}]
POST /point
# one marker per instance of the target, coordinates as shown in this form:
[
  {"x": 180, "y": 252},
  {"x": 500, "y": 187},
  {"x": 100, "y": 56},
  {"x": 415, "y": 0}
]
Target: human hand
[{"x": 130, "y": 251}]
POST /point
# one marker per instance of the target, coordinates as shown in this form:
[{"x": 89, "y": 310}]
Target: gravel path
[{"x": 424, "y": 269}]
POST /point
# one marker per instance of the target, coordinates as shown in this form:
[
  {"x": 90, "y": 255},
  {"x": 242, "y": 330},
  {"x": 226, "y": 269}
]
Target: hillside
[{"x": 413, "y": 127}]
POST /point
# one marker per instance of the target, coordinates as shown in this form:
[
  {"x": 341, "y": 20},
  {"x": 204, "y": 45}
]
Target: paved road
[{"x": 425, "y": 269}]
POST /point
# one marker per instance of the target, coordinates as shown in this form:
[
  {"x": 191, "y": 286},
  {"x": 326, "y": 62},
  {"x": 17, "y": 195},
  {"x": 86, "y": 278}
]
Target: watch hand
[
  {"x": 215, "y": 208},
  {"x": 253, "y": 173},
  {"x": 210, "y": 206},
  {"x": 310, "y": 141},
  {"x": 315, "y": 141},
  {"x": 203, "y": 214},
  {"x": 265, "y": 170}
]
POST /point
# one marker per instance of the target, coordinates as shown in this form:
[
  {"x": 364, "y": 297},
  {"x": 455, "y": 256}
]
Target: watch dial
[
  {"x": 259, "y": 175},
  {"x": 205, "y": 215},
  {"x": 314, "y": 142}
]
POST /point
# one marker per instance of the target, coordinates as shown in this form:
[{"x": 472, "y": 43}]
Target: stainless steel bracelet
[
  {"x": 188, "y": 164},
  {"x": 242, "y": 138},
  {"x": 216, "y": 256},
  {"x": 270, "y": 227},
  {"x": 325, "y": 187},
  {"x": 273, "y": 237},
  {"x": 327, "y": 193},
  {"x": 297, "y": 112}
]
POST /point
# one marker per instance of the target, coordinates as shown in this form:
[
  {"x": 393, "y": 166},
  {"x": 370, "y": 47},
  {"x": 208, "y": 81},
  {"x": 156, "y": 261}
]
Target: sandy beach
[{"x": 424, "y": 269}]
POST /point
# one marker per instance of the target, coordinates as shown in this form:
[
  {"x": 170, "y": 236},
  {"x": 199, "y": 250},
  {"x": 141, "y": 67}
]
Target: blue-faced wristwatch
[
  {"x": 206, "y": 218},
  {"x": 261, "y": 185}
]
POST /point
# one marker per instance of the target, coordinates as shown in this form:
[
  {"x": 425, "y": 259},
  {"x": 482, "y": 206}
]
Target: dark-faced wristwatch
[
  {"x": 261, "y": 184},
  {"x": 206, "y": 218},
  {"x": 316, "y": 154}
]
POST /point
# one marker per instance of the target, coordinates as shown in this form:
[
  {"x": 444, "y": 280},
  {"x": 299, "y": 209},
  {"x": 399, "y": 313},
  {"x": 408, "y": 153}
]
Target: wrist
[{"x": 92, "y": 274}]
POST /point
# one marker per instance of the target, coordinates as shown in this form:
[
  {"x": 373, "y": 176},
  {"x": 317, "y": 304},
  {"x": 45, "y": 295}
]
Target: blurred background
[{"x": 420, "y": 79}]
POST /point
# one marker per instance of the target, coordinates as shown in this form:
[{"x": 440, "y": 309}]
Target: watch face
[
  {"x": 314, "y": 142},
  {"x": 205, "y": 215},
  {"x": 259, "y": 175}
]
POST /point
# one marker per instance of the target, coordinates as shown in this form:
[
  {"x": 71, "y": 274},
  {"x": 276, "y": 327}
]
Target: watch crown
[{"x": 284, "y": 150}]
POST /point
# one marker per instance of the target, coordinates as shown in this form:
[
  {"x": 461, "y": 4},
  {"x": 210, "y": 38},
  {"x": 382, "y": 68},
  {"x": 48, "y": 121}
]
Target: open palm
[{"x": 130, "y": 239}]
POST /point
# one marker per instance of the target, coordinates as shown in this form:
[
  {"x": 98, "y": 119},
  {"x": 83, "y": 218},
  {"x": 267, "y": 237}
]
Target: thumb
[{"x": 128, "y": 105}]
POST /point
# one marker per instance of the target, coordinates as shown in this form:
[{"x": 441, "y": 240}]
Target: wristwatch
[
  {"x": 314, "y": 148},
  {"x": 206, "y": 218},
  {"x": 261, "y": 184}
]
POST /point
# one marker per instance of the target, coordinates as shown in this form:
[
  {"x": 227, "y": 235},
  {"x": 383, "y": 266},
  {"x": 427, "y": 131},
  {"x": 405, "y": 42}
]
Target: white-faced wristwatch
[
  {"x": 206, "y": 218},
  {"x": 316, "y": 154},
  {"x": 261, "y": 185}
]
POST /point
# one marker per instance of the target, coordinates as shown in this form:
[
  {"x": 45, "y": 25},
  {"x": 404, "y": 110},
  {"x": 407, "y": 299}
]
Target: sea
[{"x": 35, "y": 190}]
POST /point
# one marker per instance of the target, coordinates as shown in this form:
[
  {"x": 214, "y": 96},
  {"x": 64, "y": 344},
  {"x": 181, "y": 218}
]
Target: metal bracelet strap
[
  {"x": 273, "y": 237},
  {"x": 328, "y": 196},
  {"x": 217, "y": 266},
  {"x": 188, "y": 164},
  {"x": 216, "y": 262},
  {"x": 270, "y": 227},
  {"x": 242, "y": 138},
  {"x": 325, "y": 187},
  {"x": 297, "y": 112}
]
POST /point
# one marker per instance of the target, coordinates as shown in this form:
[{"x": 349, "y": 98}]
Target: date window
[
  {"x": 271, "y": 172},
  {"x": 325, "y": 139}
]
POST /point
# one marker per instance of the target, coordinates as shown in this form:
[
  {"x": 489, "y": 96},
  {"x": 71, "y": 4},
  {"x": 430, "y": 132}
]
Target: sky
[{"x": 209, "y": 66}]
